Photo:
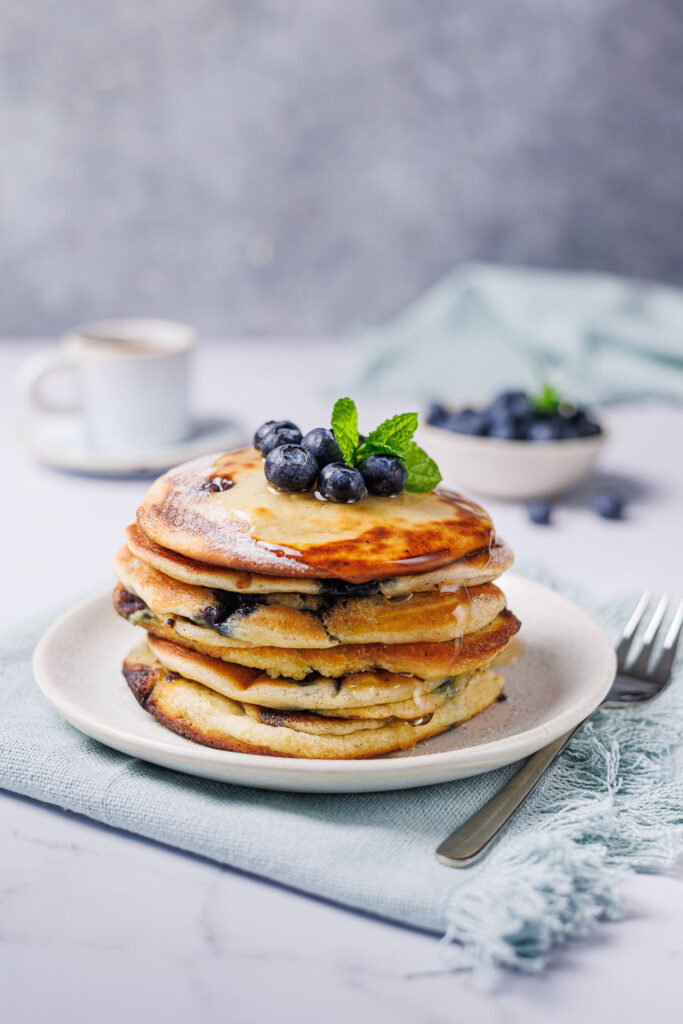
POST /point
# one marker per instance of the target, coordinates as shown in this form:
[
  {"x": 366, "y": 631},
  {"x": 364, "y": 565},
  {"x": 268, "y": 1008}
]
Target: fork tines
[{"x": 640, "y": 667}]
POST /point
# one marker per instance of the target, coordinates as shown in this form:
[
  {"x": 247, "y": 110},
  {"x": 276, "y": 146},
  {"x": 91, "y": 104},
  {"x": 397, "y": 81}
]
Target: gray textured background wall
[{"x": 312, "y": 165}]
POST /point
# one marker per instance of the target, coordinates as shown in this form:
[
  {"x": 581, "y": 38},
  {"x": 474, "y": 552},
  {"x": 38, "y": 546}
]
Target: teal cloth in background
[
  {"x": 484, "y": 327},
  {"x": 612, "y": 804}
]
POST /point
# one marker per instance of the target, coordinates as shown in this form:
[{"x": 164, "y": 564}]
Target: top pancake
[
  {"x": 481, "y": 566},
  {"x": 252, "y": 527}
]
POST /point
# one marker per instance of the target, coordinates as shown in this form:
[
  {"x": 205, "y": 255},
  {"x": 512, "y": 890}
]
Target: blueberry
[
  {"x": 383, "y": 474},
  {"x": 436, "y": 414},
  {"x": 539, "y": 512},
  {"x": 218, "y": 483},
  {"x": 340, "y": 483},
  {"x": 512, "y": 403},
  {"x": 522, "y": 424},
  {"x": 278, "y": 436},
  {"x": 451, "y": 421},
  {"x": 291, "y": 468},
  {"x": 322, "y": 446},
  {"x": 480, "y": 422},
  {"x": 263, "y": 430},
  {"x": 568, "y": 430},
  {"x": 608, "y": 504},
  {"x": 543, "y": 430},
  {"x": 577, "y": 423},
  {"x": 563, "y": 428},
  {"x": 586, "y": 427},
  {"x": 269, "y": 425},
  {"x": 468, "y": 421},
  {"x": 505, "y": 429}
]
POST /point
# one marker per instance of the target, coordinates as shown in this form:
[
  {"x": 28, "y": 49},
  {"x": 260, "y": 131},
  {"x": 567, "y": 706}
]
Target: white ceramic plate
[
  {"x": 59, "y": 441},
  {"x": 567, "y": 667}
]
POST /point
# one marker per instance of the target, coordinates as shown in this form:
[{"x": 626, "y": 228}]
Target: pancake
[
  {"x": 424, "y": 660},
  {"x": 247, "y": 525},
  {"x": 290, "y": 619},
  {"x": 295, "y": 620},
  {"x": 482, "y": 566},
  {"x": 330, "y": 723},
  {"x": 200, "y": 714},
  {"x": 357, "y": 695},
  {"x": 314, "y": 725},
  {"x": 409, "y": 710}
]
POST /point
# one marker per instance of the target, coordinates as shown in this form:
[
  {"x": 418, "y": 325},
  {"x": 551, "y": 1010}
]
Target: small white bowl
[{"x": 511, "y": 469}]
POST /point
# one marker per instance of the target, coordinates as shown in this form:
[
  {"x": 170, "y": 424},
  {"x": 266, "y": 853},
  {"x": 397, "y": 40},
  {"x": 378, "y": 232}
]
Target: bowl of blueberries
[{"x": 519, "y": 446}]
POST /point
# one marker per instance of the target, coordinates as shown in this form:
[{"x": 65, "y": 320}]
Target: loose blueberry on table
[
  {"x": 608, "y": 504},
  {"x": 341, "y": 464},
  {"x": 519, "y": 416},
  {"x": 539, "y": 511}
]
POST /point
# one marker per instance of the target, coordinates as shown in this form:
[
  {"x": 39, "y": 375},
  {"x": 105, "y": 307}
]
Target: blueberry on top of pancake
[{"x": 252, "y": 527}]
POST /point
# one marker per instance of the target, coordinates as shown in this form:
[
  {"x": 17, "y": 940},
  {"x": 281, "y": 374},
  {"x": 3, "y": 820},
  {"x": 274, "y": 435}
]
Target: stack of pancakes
[{"x": 282, "y": 624}]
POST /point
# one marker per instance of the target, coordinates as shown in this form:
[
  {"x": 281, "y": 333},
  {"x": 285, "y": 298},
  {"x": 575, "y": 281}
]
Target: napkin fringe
[{"x": 611, "y": 806}]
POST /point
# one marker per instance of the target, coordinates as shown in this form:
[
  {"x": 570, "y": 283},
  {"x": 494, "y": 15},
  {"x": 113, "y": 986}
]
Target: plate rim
[{"x": 478, "y": 758}]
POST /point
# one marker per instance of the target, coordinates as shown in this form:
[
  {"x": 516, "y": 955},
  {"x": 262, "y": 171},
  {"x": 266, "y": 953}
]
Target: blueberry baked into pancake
[{"x": 316, "y": 595}]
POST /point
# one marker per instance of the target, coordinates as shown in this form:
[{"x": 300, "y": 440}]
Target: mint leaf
[
  {"x": 547, "y": 400},
  {"x": 394, "y": 432},
  {"x": 369, "y": 447},
  {"x": 345, "y": 428},
  {"x": 423, "y": 472}
]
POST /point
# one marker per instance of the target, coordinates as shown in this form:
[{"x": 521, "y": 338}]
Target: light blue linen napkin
[
  {"x": 613, "y": 804},
  {"x": 483, "y": 327}
]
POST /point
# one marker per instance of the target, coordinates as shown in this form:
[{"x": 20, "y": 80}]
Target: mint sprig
[{"x": 392, "y": 437}]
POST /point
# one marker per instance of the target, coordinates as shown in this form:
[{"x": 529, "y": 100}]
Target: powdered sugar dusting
[{"x": 190, "y": 511}]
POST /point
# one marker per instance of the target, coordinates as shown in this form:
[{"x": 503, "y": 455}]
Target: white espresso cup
[{"x": 132, "y": 382}]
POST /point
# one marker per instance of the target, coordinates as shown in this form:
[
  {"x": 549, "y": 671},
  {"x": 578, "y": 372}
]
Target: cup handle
[{"x": 33, "y": 375}]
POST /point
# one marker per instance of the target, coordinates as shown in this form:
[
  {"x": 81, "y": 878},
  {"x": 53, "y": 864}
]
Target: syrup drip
[
  {"x": 461, "y": 612},
  {"x": 420, "y": 721},
  {"x": 400, "y": 600},
  {"x": 420, "y": 694},
  {"x": 492, "y": 544}
]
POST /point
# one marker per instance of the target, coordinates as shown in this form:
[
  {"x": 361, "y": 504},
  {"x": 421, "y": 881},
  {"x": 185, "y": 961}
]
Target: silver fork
[{"x": 635, "y": 683}]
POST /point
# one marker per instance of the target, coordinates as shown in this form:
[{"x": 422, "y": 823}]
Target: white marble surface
[{"x": 100, "y": 925}]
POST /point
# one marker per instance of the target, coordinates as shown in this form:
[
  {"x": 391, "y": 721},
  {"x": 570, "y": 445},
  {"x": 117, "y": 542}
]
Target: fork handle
[{"x": 471, "y": 840}]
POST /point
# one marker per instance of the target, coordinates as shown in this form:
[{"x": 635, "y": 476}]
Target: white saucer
[
  {"x": 59, "y": 441},
  {"x": 567, "y": 668}
]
